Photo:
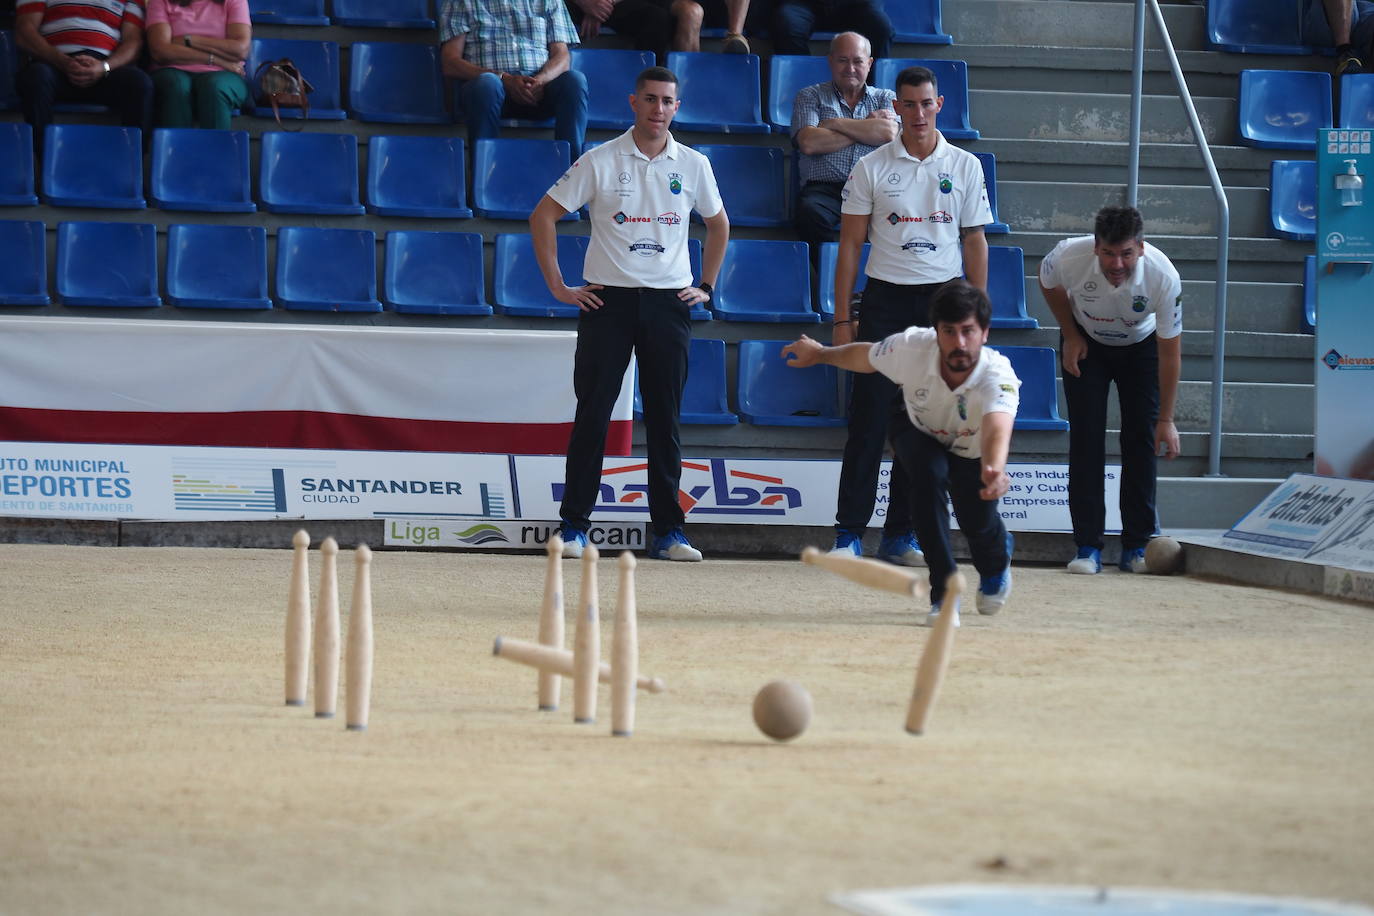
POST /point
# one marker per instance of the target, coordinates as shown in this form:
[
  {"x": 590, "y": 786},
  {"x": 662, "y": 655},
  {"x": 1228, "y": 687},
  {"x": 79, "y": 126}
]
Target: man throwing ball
[{"x": 952, "y": 433}]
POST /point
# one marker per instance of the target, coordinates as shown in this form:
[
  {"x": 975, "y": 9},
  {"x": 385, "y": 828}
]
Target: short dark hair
[
  {"x": 917, "y": 76},
  {"x": 957, "y": 301},
  {"x": 655, "y": 75},
  {"x": 1115, "y": 225}
]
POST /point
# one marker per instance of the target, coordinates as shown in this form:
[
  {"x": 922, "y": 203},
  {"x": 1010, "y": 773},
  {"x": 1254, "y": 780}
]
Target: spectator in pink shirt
[{"x": 199, "y": 50}]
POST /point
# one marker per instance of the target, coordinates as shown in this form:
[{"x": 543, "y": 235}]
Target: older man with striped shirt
[{"x": 82, "y": 51}]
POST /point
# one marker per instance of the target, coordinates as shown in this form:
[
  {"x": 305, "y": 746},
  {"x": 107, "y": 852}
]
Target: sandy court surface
[{"x": 1115, "y": 730}]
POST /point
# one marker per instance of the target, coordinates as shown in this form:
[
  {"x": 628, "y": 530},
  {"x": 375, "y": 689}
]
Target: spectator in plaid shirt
[
  {"x": 834, "y": 125},
  {"x": 512, "y": 61}
]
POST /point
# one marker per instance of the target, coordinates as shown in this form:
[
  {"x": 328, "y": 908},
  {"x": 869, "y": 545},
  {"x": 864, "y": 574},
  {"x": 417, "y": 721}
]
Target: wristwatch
[
  {"x": 706, "y": 288},
  {"x": 106, "y": 65},
  {"x": 186, "y": 40}
]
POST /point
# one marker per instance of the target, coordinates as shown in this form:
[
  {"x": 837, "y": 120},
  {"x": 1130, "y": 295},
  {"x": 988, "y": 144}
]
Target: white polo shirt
[
  {"x": 916, "y": 208},
  {"x": 1151, "y": 301},
  {"x": 639, "y": 209},
  {"x": 911, "y": 358}
]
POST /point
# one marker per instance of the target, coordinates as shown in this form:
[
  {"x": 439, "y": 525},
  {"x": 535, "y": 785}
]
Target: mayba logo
[
  {"x": 712, "y": 488},
  {"x": 669, "y": 219},
  {"x": 1335, "y": 360}
]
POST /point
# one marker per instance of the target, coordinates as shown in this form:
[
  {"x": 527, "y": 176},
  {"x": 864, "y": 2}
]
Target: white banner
[
  {"x": 47, "y": 480},
  {"x": 431, "y": 532},
  {"x": 1322, "y": 519}
]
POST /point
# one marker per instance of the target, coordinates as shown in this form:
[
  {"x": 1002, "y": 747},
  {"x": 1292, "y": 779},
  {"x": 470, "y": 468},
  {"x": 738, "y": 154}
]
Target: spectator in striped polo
[{"x": 82, "y": 51}]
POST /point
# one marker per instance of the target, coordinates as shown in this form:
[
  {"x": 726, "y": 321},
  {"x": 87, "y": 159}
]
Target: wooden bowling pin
[
  {"x": 358, "y": 696},
  {"x": 930, "y": 672},
  {"x": 551, "y": 622},
  {"x": 587, "y": 643},
  {"x": 624, "y": 652},
  {"x": 560, "y": 661},
  {"x": 298, "y": 622},
  {"x": 327, "y": 633}
]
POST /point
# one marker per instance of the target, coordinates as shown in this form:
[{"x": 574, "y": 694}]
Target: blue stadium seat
[
  {"x": 397, "y": 83},
  {"x": 217, "y": 267},
  {"x": 107, "y": 264},
  {"x": 93, "y": 165},
  {"x": 610, "y": 76},
  {"x": 752, "y": 183},
  {"x": 1309, "y": 295},
  {"x": 917, "y": 22},
  {"x": 509, "y": 177},
  {"x": 952, "y": 79},
  {"x": 1035, "y": 367},
  {"x": 24, "y": 268},
  {"x": 1283, "y": 109},
  {"x": 383, "y": 14},
  {"x": 1007, "y": 288},
  {"x": 9, "y": 64},
  {"x": 772, "y": 393},
  {"x": 196, "y": 169},
  {"x": 788, "y": 74},
  {"x": 435, "y": 273},
  {"x": 309, "y": 173},
  {"x": 703, "y": 400},
  {"x": 720, "y": 92},
  {"x": 989, "y": 161},
  {"x": 1247, "y": 27},
  {"x": 519, "y": 288},
  {"x": 422, "y": 176},
  {"x": 699, "y": 312},
  {"x": 1293, "y": 198},
  {"x": 327, "y": 270},
  {"x": 318, "y": 62},
  {"x": 289, "y": 12},
  {"x": 16, "y": 165},
  {"x": 830, "y": 253},
  {"x": 1357, "y": 100},
  {"x": 764, "y": 280}
]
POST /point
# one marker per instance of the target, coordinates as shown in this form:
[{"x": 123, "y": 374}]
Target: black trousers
[
  {"x": 887, "y": 308},
  {"x": 793, "y": 21},
  {"x": 1135, "y": 370},
  {"x": 128, "y": 90},
  {"x": 649, "y": 23},
  {"x": 937, "y": 478},
  {"x": 655, "y": 325}
]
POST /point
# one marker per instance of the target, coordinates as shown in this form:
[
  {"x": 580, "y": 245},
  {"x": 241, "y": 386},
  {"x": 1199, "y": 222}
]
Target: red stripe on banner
[{"x": 295, "y": 429}]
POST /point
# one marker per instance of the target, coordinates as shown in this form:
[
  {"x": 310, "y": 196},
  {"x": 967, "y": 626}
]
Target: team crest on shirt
[
  {"x": 1139, "y": 303},
  {"x": 962, "y": 403},
  {"x": 946, "y": 182},
  {"x": 646, "y": 248},
  {"x": 675, "y": 182}
]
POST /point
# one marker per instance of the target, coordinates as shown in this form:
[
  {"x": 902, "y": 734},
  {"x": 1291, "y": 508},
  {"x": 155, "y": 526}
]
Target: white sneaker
[
  {"x": 675, "y": 546},
  {"x": 573, "y": 542},
  {"x": 934, "y": 615},
  {"x": 1087, "y": 563}
]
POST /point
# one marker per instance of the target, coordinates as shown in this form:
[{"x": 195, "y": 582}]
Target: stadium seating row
[
  {"x": 437, "y": 273},
  {"x": 96, "y": 165},
  {"x": 1284, "y": 109},
  {"x": 913, "y": 21},
  {"x": 396, "y": 82}
]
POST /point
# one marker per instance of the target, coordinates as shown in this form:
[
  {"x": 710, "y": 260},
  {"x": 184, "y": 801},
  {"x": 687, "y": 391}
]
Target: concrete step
[
  {"x": 1020, "y": 114},
  {"x": 1106, "y": 162},
  {"x": 1269, "y": 308},
  {"x": 1042, "y": 206},
  {"x": 1072, "y": 23},
  {"x": 1253, "y": 260}
]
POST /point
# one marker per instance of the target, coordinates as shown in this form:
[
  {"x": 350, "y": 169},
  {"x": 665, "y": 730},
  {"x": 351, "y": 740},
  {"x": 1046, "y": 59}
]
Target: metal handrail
[{"x": 1223, "y": 206}]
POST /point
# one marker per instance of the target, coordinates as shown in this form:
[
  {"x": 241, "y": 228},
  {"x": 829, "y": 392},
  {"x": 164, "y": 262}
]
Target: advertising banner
[
  {"x": 1322, "y": 519},
  {"x": 466, "y": 535}
]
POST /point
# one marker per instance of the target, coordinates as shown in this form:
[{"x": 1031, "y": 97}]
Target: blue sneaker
[
  {"x": 574, "y": 541},
  {"x": 848, "y": 543},
  {"x": 674, "y": 546},
  {"x": 1133, "y": 560},
  {"x": 1087, "y": 563},
  {"x": 902, "y": 550},
  {"x": 993, "y": 590}
]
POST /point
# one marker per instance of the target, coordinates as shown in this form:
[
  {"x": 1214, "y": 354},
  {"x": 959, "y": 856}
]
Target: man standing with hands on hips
[
  {"x": 641, "y": 188},
  {"x": 1119, "y": 303},
  {"x": 951, "y": 431},
  {"x": 922, "y": 205}
]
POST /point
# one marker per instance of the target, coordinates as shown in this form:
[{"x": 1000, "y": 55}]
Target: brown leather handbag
[{"x": 280, "y": 84}]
